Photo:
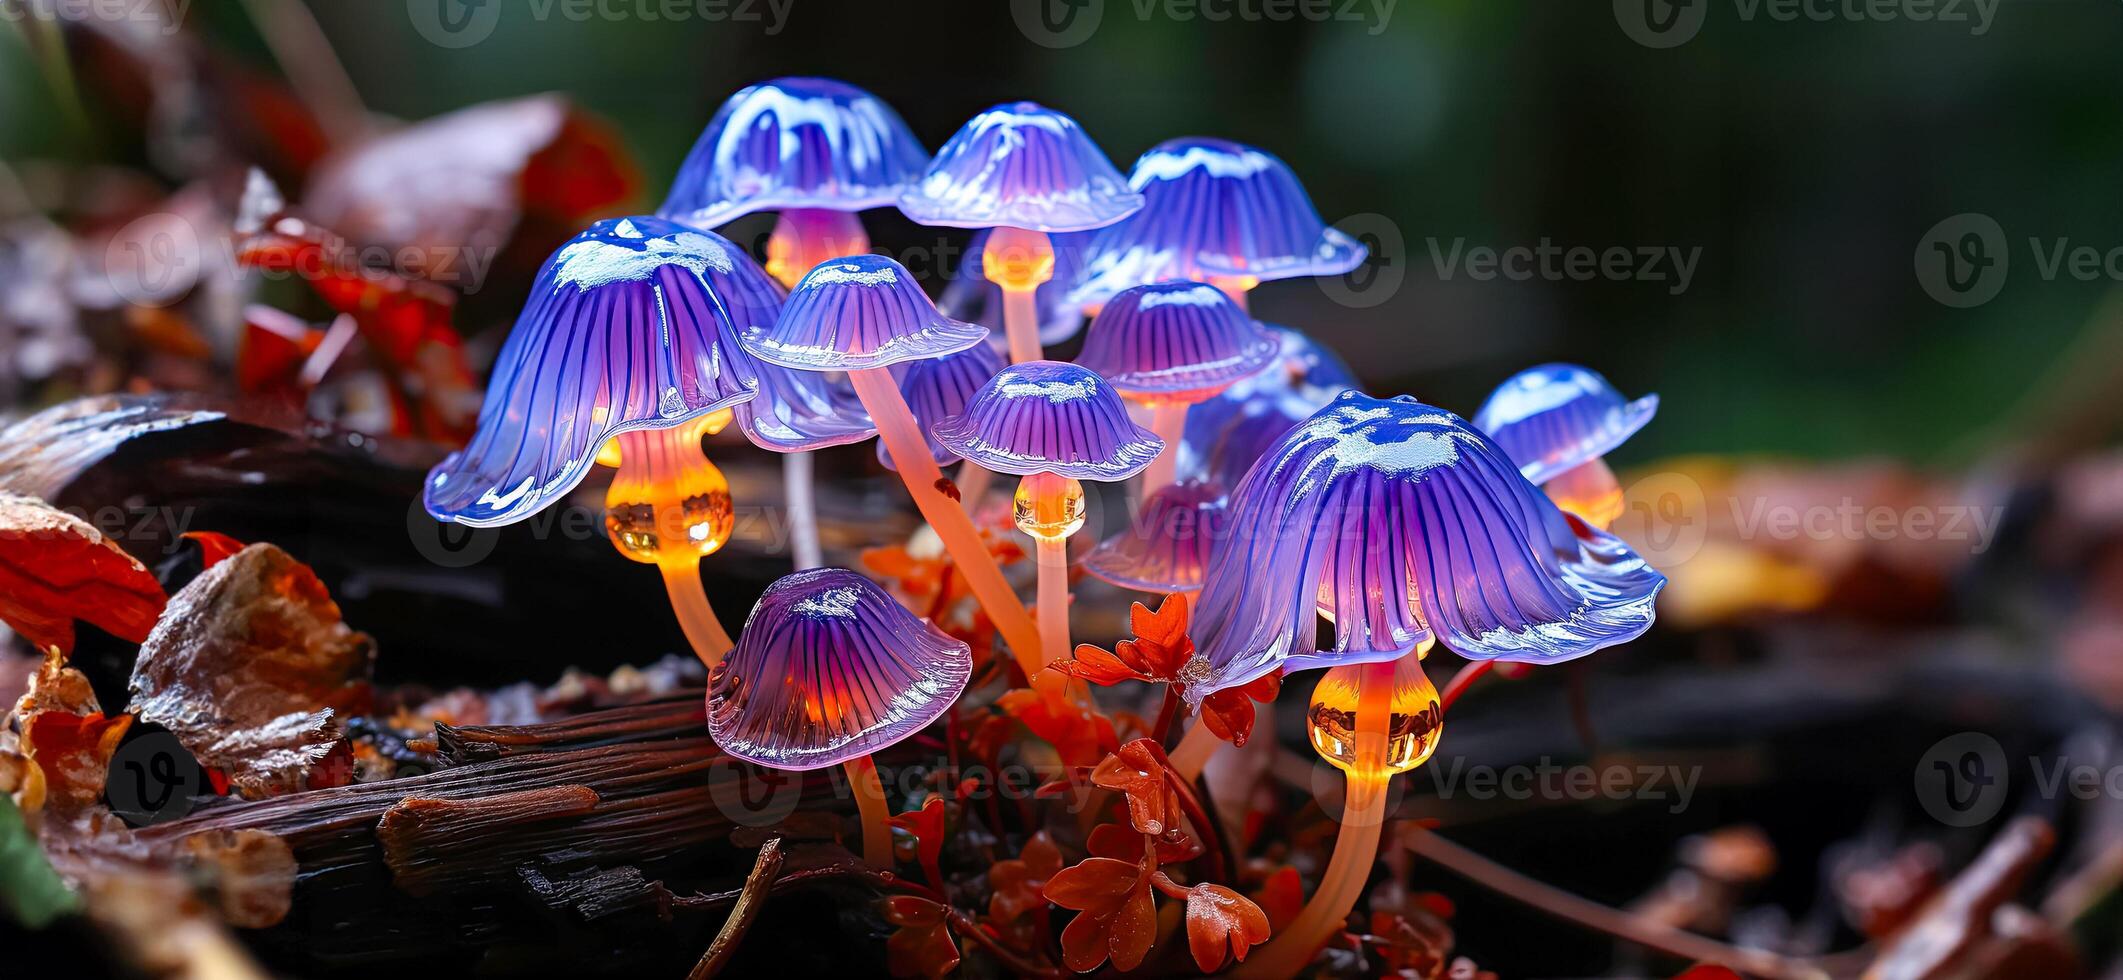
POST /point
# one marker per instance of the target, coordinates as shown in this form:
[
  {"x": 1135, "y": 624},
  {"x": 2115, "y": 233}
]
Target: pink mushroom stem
[
  {"x": 1169, "y": 421},
  {"x": 704, "y": 632},
  {"x": 1355, "y": 848},
  {"x": 973, "y": 482},
  {"x": 918, "y": 470},
  {"x": 1019, "y": 261},
  {"x": 802, "y": 238},
  {"x": 871, "y": 804}
]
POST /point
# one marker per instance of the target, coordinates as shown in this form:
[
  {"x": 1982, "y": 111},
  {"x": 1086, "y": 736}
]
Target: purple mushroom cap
[
  {"x": 795, "y": 143},
  {"x": 1050, "y": 417},
  {"x": 626, "y": 329},
  {"x": 1020, "y": 165},
  {"x": 1166, "y": 547},
  {"x": 972, "y": 298},
  {"x": 939, "y": 388},
  {"x": 1225, "y": 434},
  {"x": 1175, "y": 339},
  {"x": 829, "y": 668},
  {"x": 855, "y": 313},
  {"x": 1399, "y": 520},
  {"x": 1214, "y": 207},
  {"x": 1556, "y": 417}
]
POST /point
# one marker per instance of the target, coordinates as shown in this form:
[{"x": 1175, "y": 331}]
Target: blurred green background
[{"x": 1806, "y": 159}]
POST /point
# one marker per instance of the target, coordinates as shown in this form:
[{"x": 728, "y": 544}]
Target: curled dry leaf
[
  {"x": 56, "y": 568},
  {"x": 1222, "y": 923},
  {"x": 251, "y": 873},
  {"x": 56, "y": 687},
  {"x": 251, "y": 668},
  {"x": 922, "y": 945},
  {"x": 74, "y": 752}
]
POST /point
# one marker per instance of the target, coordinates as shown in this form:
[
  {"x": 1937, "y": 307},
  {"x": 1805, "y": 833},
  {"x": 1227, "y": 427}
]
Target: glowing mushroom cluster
[{"x": 1274, "y": 491}]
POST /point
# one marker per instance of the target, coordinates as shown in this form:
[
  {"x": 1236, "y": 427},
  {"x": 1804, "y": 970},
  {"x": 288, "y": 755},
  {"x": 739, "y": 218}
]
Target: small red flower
[
  {"x": 1017, "y": 882},
  {"x": 922, "y": 945},
  {"x": 1117, "y": 918},
  {"x": 1221, "y": 923},
  {"x": 1138, "y": 771}
]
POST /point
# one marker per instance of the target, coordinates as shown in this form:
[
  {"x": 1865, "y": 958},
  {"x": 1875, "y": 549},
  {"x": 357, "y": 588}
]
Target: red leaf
[
  {"x": 1220, "y": 923},
  {"x": 56, "y": 568},
  {"x": 1099, "y": 667},
  {"x": 926, "y": 826},
  {"x": 1282, "y": 896},
  {"x": 1081, "y": 735},
  {"x": 1137, "y": 771},
  {"x": 1017, "y": 882},
  {"x": 213, "y": 545},
  {"x": 1229, "y": 712},
  {"x": 1092, "y": 883},
  {"x": 1162, "y": 636},
  {"x": 74, "y": 751},
  {"x": 1706, "y": 971},
  {"x": 922, "y": 945}
]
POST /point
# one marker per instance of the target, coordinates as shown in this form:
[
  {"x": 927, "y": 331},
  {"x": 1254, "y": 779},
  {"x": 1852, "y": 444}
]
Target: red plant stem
[
  {"x": 1170, "y": 888},
  {"x": 1462, "y": 681},
  {"x": 1162, "y": 728}
]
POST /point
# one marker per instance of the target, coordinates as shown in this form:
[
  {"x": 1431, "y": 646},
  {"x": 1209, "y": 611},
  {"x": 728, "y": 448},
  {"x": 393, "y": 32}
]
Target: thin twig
[
  {"x": 749, "y": 900},
  {"x": 1600, "y": 918},
  {"x": 1166, "y": 712}
]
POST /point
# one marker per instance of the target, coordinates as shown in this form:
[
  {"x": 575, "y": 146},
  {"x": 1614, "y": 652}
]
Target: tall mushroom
[
  {"x": 1052, "y": 423},
  {"x": 939, "y": 388},
  {"x": 1218, "y": 212},
  {"x": 862, "y": 315},
  {"x": 1169, "y": 345},
  {"x": 1558, "y": 421},
  {"x": 626, "y": 338},
  {"x": 828, "y": 671},
  {"x": 817, "y": 151},
  {"x": 1027, "y": 172},
  {"x": 1405, "y": 525}
]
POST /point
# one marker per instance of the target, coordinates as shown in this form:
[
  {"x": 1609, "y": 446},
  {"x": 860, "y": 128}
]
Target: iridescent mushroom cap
[
  {"x": 972, "y": 298},
  {"x": 1166, "y": 547},
  {"x": 830, "y": 668},
  {"x": 1556, "y": 417},
  {"x": 1226, "y": 433},
  {"x": 1182, "y": 341},
  {"x": 1050, "y": 417},
  {"x": 1020, "y": 165},
  {"x": 1214, "y": 207},
  {"x": 939, "y": 388},
  {"x": 626, "y": 329},
  {"x": 859, "y": 312},
  {"x": 795, "y": 143},
  {"x": 1400, "y": 521},
  {"x": 792, "y": 410}
]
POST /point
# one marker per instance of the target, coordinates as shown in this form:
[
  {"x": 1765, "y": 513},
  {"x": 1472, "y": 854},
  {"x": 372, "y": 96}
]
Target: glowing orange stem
[
  {"x": 917, "y": 469},
  {"x": 681, "y": 580},
  {"x": 870, "y": 802}
]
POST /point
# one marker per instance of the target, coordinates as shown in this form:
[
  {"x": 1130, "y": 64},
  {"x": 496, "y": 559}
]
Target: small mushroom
[
  {"x": 1558, "y": 421},
  {"x": 1025, "y": 171},
  {"x": 1165, "y": 549},
  {"x": 1053, "y": 423},
  {"x": 863, "y": 314},
  {"x": 829, "y": 670},
  {"x": 625, "y": 338},
  {"x": 1218, "y": 212},
  {"x": 939, "y": 388},
  {"x": 1227, "y": 432},
  {"x": 971, "y": 297},
  {"x": 1169, "y": 345}
]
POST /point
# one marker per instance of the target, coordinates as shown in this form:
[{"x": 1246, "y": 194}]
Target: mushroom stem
[
  {"x": 1590, "y": 491},
  {"x": 681, "y": 580},
  {"x": 973, "y": 482},
  {"x": 1355, "y": 848},
  {"x": 1169, "y": 421},
  {"x": 917, "y": 469},
  {"x": 803, "y": 510},
  {"x": 1019, "y": 261},
  {"x": 1054, "y": 598},
  {"x": 870, "y": 803},
  {"x": 1236, "y": 287},
  {"x": 1197, "y": 745}
]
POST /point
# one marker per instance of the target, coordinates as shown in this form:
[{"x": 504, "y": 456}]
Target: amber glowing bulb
[
  {"x": 667, "y": 505},
  {"x": 1589, "y": 491},
  {"x": 1048, "y": 507},
  {"x": 1415, "y": 721}
]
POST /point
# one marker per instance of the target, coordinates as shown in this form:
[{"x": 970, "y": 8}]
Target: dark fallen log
[{"x": 600, "y": 829}]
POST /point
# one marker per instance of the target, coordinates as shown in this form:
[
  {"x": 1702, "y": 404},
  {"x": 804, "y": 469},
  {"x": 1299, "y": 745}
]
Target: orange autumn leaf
[
  {"x": 1160, "y": 648},
  {"x": 213, "y": 545},
  {"x": 1081, "y": 735},
  {"x": 1016, "y": 883},
  {"x": 1229, "y": 712},
  {"x": 74, "y": 751},
  {"x": 922, "y": 945},
  {"x": 1281, "y": 897},
  {"x": 1138, "y": 771},
  {"x": 1122, "y": 841},
  {"x": 1117, "y": 917},
  {"x": 1222, "y": 923},
  {"x": 926, "y": 826},
  {"x": 56, "y": 568}
]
